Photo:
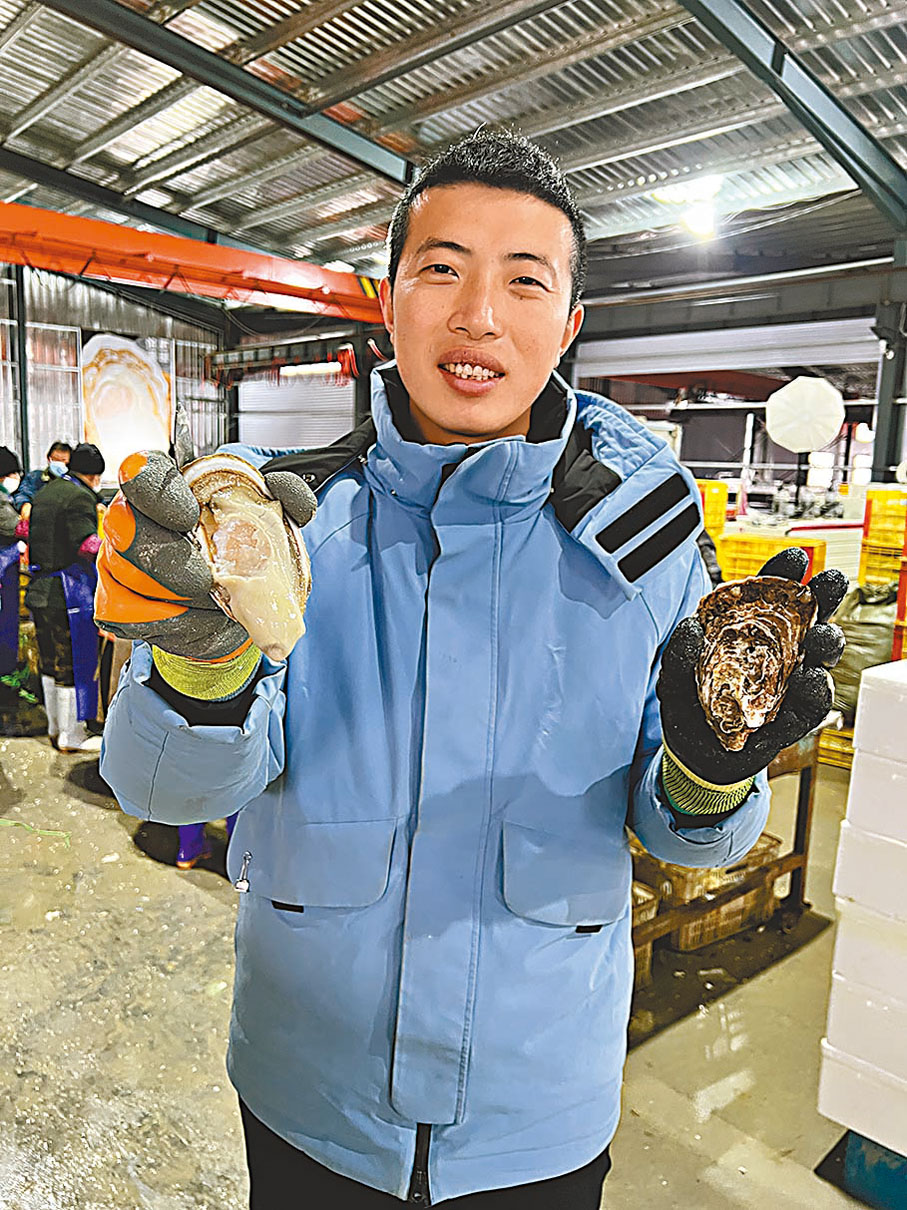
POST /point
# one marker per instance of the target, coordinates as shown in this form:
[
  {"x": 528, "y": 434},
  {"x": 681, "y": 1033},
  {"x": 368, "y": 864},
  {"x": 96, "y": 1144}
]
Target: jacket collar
[{"x": 505, "y": 478}]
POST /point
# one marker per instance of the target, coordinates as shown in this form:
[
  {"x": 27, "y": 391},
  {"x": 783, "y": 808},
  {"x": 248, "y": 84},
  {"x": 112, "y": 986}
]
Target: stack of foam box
[{"x": 863, "y": 1083}]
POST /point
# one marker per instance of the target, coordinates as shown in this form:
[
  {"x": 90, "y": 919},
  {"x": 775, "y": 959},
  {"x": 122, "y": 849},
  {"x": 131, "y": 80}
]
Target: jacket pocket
[
  {"x": 566, "y": 880},
  {"x": 344, "y": 865}
]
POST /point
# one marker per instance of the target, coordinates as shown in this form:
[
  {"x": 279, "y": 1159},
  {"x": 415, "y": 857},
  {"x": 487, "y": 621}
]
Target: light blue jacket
[{"x": 441, "y": 776}]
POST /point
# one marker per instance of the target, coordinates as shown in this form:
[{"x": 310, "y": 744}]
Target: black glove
[{"x": 807, "y": 700}]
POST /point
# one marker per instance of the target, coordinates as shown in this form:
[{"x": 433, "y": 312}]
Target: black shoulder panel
[
  {"x": 319, "y": 465},
  {"x": 579, "y": 481}
]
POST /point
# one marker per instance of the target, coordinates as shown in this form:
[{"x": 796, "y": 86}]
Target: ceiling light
[
  {"x": 685, "y": 193},
  {"x": 700, "y": 219},
  {"x": 339, "y": 266}
]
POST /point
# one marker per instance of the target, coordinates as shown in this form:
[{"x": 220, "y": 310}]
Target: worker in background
[
  {"x": 63, "y": 544},
  {"x": 10, "y": 475},
  {"x": 434, "y": 954},
  {"x": 57, "y": 464}
]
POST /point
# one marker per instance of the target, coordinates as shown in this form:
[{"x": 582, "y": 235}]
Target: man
[
  {"x": 57, "y": 464},
  {"x": 434, "y": 961},
  {"x": 63, "y": 544}
]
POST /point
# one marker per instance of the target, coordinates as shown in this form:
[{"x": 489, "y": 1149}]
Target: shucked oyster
[
  {"x": 256, "y": 553},
  {"x": 754, "y": 631}
]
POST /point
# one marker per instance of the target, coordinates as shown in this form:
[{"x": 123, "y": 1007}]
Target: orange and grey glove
[{"x": 155, "y": 585}]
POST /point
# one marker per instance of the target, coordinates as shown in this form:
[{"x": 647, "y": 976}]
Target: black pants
[
  {"x": 284, "y": 1178},
  {"x": 54, "y": 643}
]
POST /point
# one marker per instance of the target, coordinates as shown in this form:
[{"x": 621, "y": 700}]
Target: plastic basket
[
  {"x": 885, "y": 519},
  {"x": 741, "y": 555},
  {"x": 902, "y": 592},
  {"x": 714, "y": 493},
  {"x": 836, "y": 747},
  {"x": 678, "y": 884},
  {"x": 645, "y": 907},
  {"x": 879, "y": 564}
]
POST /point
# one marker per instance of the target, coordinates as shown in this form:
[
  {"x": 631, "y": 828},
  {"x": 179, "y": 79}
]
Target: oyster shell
[
  {"x": 754, "y": 632},
  {"x": 256, "y": 553}
]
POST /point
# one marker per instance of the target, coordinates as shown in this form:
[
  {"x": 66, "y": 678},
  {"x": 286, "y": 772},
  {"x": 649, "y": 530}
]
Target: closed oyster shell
[
  {"x": 754, "y": 632},
  {"x": 256, "y": 553}
]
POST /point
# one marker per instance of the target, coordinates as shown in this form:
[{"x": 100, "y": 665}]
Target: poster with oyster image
[{"x": 127, "y": 400}]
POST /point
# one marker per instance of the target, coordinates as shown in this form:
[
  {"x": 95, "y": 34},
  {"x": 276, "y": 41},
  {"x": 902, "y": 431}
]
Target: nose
[{"x": 475, "y": 314}]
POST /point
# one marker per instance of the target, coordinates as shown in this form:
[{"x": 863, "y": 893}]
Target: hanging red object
[{"x": 85, "y": 247}]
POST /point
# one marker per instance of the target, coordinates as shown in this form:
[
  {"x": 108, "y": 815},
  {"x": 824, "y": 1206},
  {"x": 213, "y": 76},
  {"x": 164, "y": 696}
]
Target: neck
[{"x": 432, "y": 434}]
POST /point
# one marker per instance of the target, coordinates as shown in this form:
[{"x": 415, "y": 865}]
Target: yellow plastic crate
[
  {"x": 645, "y": 906},
  {"x": 836, "y": 747},
  {"x": 714, "y": 494},
  {"x": 741, "y": 555},
  {"x": 885, "y": 519},
  {"x": 879, "y": 564}
]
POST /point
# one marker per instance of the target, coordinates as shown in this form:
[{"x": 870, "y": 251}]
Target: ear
[
  {"x": 386, "y": 299},
  {"x": 573, "y": 325}
]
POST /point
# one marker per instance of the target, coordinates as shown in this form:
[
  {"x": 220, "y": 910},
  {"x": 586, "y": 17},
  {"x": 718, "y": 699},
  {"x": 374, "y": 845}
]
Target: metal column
[
  {"x": 22, "y": 359},
  {"x": 891, "y": 322}
]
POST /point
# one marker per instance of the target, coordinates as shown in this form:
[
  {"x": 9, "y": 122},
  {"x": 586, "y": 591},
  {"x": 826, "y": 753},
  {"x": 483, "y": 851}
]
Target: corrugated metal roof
[{"x": 629, "y": 94}]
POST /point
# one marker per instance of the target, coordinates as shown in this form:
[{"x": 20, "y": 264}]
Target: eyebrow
[{"x": 430, "y": 244}]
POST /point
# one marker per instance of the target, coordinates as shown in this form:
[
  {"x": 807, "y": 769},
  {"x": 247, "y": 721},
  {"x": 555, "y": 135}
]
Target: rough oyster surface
[
  {"x": 257, "y": 554},
  {"x": 754, "y": 631}
]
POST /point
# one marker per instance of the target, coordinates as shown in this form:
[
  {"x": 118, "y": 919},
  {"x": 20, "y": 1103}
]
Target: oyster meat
[
  {"x": 256, "y": 553},
  {"x": 754, "y": 632}
]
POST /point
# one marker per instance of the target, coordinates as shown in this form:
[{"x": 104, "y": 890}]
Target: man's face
[
  {"x": 59, "y": 456},
  {"x": 483, "y": 281}
]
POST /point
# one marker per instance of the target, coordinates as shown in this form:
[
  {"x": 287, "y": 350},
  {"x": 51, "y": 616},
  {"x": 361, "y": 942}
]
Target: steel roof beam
[
  {"x": 485, "y": 19},
  {"x": 585, "y": 47},
  {"x": 230, "y": 136},
  {"x": 562, "y": 117},
  {"x": 98, "y": 195},
  {"x": 19, "y": 23},
  {"x": 164, "y": 98},
  {"x": 205, "y": 67},
  {"x": 859, "y": 153},
  {"x": 257, "y": 176},
  {"x": 87, "y": 71},
  {"x": 300, "y": 203},
  {"x": 273, "y": 37}
]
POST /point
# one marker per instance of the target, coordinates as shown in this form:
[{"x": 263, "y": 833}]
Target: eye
[
  {"x": 529, "y": 281},
  {"x": 446, "y": 270}
]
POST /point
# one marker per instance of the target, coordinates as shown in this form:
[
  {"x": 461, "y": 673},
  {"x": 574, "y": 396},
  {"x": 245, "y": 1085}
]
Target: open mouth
[{"x": 470, "y": 373}]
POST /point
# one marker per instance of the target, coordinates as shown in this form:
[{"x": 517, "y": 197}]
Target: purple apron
[{"x": 9, "y": 608}]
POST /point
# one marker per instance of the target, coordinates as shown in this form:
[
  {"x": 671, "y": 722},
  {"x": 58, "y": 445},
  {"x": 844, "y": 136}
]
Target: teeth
[{"x": 465, "y": 370}]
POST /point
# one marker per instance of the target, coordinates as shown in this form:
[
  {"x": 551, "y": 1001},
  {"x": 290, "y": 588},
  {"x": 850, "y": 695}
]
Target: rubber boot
[
  {"x": 74, "y": 736},
  {"x": 50, "y": 708},
  {"x": 193, "y": 846}
]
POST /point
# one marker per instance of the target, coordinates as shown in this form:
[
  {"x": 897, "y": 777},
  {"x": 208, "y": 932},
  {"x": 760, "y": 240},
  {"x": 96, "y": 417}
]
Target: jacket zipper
[
  {"x": 242, "y": 882},
  {"x": 419, "y": 1193}
]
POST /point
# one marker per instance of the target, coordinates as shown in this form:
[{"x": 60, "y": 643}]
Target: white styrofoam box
[
  {"x": 881, "y": 722},
  {"x": 871, "y": 949},
  {"x": 872, "y": 870},
  {"x": 869, "y": 1025},
  {"x": 863, "y": 1098},
  {"x": 877, "y": 801}
]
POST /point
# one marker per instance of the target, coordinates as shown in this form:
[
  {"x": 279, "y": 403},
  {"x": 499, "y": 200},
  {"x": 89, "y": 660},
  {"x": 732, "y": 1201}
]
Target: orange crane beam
[{"x": 86, "y": 247}]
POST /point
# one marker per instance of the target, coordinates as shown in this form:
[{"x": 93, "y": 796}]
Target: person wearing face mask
[
  {"x": 63, "y": 543},
  {"x": 10, "y": 475},
  {"x": 57, "y": 465}
]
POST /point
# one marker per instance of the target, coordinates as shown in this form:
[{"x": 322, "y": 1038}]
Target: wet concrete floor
[{"x": 114, "y": 1004}]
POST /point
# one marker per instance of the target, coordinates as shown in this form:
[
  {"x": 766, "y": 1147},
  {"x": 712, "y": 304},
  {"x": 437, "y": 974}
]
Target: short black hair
[
  {"x": 60, "y": 447},
  {"x": 501, "y": 160}
]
